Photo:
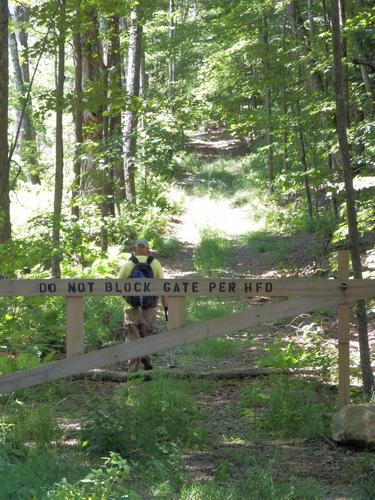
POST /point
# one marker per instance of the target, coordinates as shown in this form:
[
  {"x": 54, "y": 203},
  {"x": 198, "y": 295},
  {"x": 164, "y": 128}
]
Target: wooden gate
[{"x": 298, "y": 296}]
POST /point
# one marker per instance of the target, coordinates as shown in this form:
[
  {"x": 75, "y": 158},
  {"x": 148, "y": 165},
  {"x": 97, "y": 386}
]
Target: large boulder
[{"x": 355, "y": 424}]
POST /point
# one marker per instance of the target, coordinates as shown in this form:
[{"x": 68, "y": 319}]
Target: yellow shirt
[{"x": 127, "y": 268}]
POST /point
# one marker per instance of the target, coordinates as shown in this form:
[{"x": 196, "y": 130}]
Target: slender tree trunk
[
  {"x": 327, "y": 121},
  {"x": 268, "y": 105},
  {"x": 172, "y": 60},
  {"x": 78, "y": 115},
  {"x": 92, "y": 77},
  {"x": 298, "y": 26},
  {"x": 333, "y": 198},
  {"x": 5, "y": 226},
  {"x": 59, "y": 173},
  {"x": 269, "y": 140},
  {"x": 341, "y": 126},
  {"x": 310, "y": 16},
  {"x": 285, "y": 124},
  {"x": 28, "y": 149},
  {"x": 131, "y": 113},
  {"x": 143, "y": 87},
  {"x": 115, "y": 84},
  {"x": 306, "y": 180},
  {"x": 18, "y": 81}
]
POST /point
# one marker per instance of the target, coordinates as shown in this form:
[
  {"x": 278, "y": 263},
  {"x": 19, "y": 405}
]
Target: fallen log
[{"x": 121, "y": 376}]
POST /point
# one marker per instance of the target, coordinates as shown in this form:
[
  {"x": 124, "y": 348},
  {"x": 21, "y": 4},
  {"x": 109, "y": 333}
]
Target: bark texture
[
  {"x": 5, "y": 226},
  {"x": 78, "y": 117},
  {"x": 59, "y": 172},
  {"x": 130, "y": 120},
  {"x": 28, "y": 145}
]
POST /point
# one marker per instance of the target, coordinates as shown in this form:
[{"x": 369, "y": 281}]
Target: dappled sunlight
[
  {"x": 203, "y": 212},
  {"x": 29, "y": 203}
]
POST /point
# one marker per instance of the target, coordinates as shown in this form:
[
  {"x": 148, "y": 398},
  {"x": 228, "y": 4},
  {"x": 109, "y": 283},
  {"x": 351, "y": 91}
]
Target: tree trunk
[
  {"x": 306, "y": 181},
  {"x": 28, "y": 146},
  {"x": 131, "y": 113},
  {"x": 269, "y": 140},
  {"x": 268, "y": 104},
  {"x": 92, "y": 78},
  {"x": 115, "y": 138},
  {"x": 302, "y": 37},
  {"x": 310, "y": 16},
  {"x": 172, "y": 59},
  {"x": 18, "y": 83},
  {"x": 5, "y": 226},
  {"x": 59, "y": 173},
  {"x": 341, "y": 126},
  {"x": 143, "y": 88},
  {"x": 78, "y": 116},
  {"x": 333, "y": 198},
  {"x": 327, "y": 123}
]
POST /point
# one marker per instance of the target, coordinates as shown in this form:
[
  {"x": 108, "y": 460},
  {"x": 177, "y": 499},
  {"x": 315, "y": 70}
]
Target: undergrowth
[
  {"x": 287, "y": 407},
  {"x": 145, "y": 420},
  {"x": 308, "y": 348}
]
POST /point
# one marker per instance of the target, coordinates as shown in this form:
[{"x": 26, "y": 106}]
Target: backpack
[{"x": 142, "y": 270}]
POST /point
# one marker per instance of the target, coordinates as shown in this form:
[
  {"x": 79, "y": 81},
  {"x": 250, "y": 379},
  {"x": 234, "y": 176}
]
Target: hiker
[{"x": 140, "y": 316}]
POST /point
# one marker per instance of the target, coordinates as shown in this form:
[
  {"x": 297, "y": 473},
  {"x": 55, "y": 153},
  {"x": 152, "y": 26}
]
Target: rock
[{"x": 355, "y": 424}]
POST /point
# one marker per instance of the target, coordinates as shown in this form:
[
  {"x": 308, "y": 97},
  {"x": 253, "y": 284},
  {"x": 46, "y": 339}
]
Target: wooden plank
[
  {"x": 205, "y": 287},
  {"x": 157, "y": 343},
  {"x": 275, "y": 299},
  {"x": 176, "y": 312},
  {"x": 75, "y": 341},
  {"x": 343, "y": 313}
]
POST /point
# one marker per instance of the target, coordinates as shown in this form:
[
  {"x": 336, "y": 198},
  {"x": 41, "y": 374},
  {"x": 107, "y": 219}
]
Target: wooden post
[
  {"x": 75, "y": 342},
  {"x": 176, "y": 312},
  {"x": 343, "y": 334},
  {"x": 176, "y": 319}
]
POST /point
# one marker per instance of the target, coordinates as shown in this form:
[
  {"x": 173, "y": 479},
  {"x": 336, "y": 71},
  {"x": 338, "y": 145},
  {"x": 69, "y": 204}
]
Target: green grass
[
  {"x": 288, "y": 408},
  {"x": 205, "y": 308},
  {"x": 273, "y": 246},
  {"x": 214, "y": 349},
  {"x": 31, "y": 477},
  {"x": 145, "y": 420},
  {"x": 225, "y": 175},
  {"x": 212, "y": 254},
  {"x": 166, "y": 247},
  {"x": 257, "y": 483},
  {"x": 27, "y": 426}
]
